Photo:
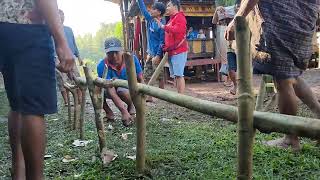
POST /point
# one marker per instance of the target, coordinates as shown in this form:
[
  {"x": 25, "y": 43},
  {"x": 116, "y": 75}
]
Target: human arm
[
  {"x": 144, "y": 11},
  {"x": 180, "y": 25},
  {"x": 162, "y": 34},
  {"x": 112, "y": 92},
  {"x": 49, "y": 10},
  {"x": 244, "y": 10}
]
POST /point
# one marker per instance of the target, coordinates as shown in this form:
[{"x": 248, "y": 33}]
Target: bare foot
[
  {"x": 109, "y": 118},
  {"x": 284, "y": 143},
  {"x": 227, "y": 84},
  {"x": 131, "y": 109},
  {"x": 233, "y": 91}
]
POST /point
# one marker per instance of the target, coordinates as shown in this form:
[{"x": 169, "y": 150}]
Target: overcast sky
[{"x": 85, "y": 16}]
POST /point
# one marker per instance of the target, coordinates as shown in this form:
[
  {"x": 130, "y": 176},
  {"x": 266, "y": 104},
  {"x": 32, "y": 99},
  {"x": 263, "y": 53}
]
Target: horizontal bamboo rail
[{"x": 263, "y": 121}]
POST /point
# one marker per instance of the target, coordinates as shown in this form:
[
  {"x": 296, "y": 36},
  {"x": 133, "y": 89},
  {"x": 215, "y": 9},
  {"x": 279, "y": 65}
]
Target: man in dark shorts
[
  {"x": 28, "y": 68},
  {"x": 117, "y": 70},
  {"x": 288, "y": 28}
]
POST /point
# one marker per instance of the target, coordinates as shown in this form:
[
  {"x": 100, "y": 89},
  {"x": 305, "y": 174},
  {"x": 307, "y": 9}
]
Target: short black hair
[
  {"x": 160, "y": 7},
  {"x": 176, "y": 3}
]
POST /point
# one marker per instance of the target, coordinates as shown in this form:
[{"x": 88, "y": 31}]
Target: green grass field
[{"x": 184, "y": 145}]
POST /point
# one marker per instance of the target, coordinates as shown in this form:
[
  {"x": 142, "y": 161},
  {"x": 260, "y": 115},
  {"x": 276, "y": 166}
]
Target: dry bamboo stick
[
  {"x": 261, "y": 94},
  {"x": 246, "y": 131},
  {"x": 139, "y": 103},
  {"x": 97, "y": 104},
  {"x": 81, "y": 83},
  {"x": 69, "y": 111},
  {"x": 73, "y": 90},
  {"x": 264, "y": 121},
  {"x": 157, "y": 72}
]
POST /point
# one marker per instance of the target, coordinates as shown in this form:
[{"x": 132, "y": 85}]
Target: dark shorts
[
  {"x": 232, "y": 61},
  {"x": 118, "y": 89},
  {"x": 28, "y": 68}
]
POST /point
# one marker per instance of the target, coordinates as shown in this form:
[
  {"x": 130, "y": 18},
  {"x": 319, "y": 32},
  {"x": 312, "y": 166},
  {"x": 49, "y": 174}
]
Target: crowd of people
[{"x": 28, "y": 56}]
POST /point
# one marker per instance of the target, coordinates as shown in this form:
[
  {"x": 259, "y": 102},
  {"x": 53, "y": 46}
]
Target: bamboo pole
[
  {"x": 96, "y": 97},
  {"x": 73, "y": 90},
  {"x": 69, "y": 111},
  {"x": 81, "y": 83},
  {"x": 157, "y": 72},
  {"x": 261, "y": 94},
  {"x": 139, "y": 103},
  {"x": 246, "y": 131},
  {"x": 263, "y": 121},
  {"x": 124, "y": 25}
]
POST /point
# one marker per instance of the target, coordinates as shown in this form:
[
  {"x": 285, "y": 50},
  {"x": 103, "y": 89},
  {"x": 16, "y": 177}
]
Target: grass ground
[{"x": 181, "y": 144}]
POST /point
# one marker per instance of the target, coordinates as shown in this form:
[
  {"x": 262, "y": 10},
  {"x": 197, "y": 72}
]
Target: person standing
[
  {"x": 63, "y": 77},
  {"x": 28, "y": 68},
  {"x": 175, "y": 43},
  {"x": 155, "y": 36},
  {"x": 288, "y": 28}
]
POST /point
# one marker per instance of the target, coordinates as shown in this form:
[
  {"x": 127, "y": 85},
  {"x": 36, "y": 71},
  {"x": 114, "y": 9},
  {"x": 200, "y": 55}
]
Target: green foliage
[
  {"x": 186, "y": 145},
  {"x": 92, "y": 46},
  {"x": 225, "y": 2}
]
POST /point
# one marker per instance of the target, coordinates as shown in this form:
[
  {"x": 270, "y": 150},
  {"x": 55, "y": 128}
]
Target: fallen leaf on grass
[
  {"x": 55, "y": 119},
  {"x": 60, "y": 145},
  {"x": 76, "y": 175},
  {"x": 131, "y": 157},
  {"x": 110, "y": 127},
  {"x": 67, "y": 159},
  {"x": 80, "y": 143},
  {"x": 47, "y": 156},
  {"x": 164, "y": 120},
  {"x": 124, "y": 136},
  {"x": 107, "y": 156},
  {"x": 134, "y": 148}
]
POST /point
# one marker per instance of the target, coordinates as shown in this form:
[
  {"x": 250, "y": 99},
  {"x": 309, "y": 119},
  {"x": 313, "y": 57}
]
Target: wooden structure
[{"x": 198, "y": 13}]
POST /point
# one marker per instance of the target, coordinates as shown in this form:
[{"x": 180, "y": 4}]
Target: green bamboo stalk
[
  {"x": 139, "y": 103},
  {"x": 96, "y": 99},
  {"x": 263, "y": 121},
  {"x": 246, "y": 131}
]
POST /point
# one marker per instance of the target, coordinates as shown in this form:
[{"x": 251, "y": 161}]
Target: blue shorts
[
  {"x": 28, "y": 68},
  {"x": 232, "y": 61},
  {"x": 177, "y": 64}
]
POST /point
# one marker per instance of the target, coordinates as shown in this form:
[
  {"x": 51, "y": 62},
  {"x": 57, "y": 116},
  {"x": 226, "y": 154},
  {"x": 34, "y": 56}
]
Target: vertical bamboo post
[
  {"x": 139, "y": 103},
  {"x": 97, "y": 104},
  {"x": 124, "y": 25},
  {"x": 261, "y": 94},
  {"x": 75, "y": 109},
  {"x": 83, "y": 108},
  {"x": 69, "y": 110},
  {"x": 82, "y": 84},
  {"x": 245, "y": 100}
]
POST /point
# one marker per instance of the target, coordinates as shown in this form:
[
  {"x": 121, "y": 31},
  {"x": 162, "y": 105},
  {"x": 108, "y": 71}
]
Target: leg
[
  {"x": 33, "y": 145},
  {"x": 64, "y": 96},
  {"x": 79, "y": 93},
  {"x": 14, "y": 127},
  {"x": 161, "y": 83},
  {"x": 107, "y": 109},
  {"x": 232, "y": 76},
  {"x": 180, "y": 84},
  {"x": 125, "y": 96},
  {"x": 287, "y": 104},
  {"x": 306, "y": 95}
]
